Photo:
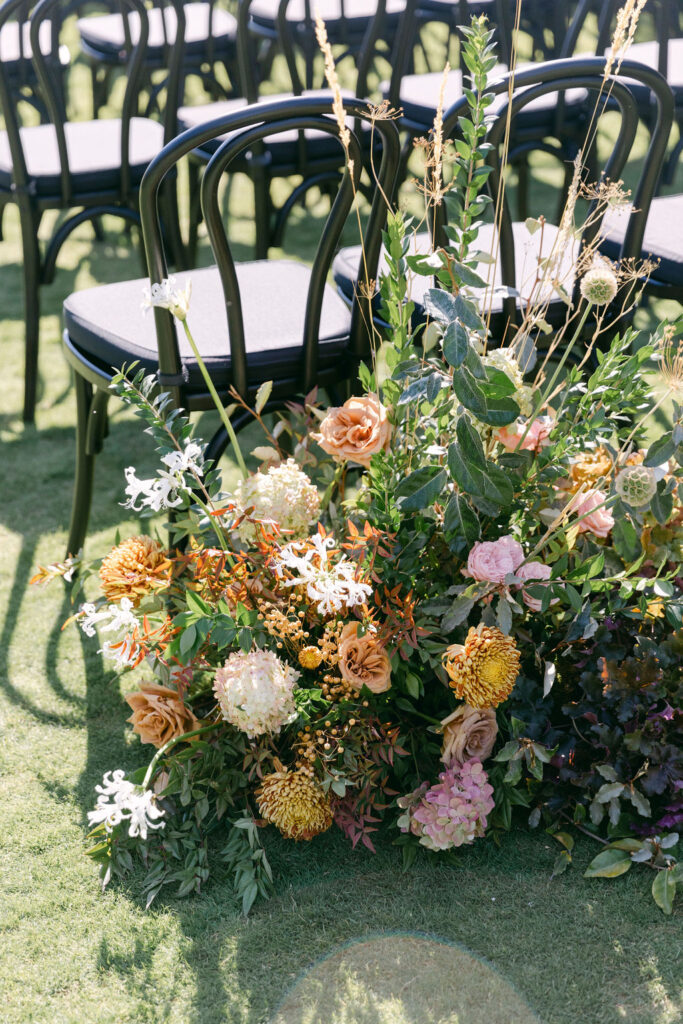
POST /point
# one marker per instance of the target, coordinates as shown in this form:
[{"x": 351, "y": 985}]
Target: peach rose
[
  {"x": 491, "y": 561},
  {"x": 533, "y": 572},
  {"x": 158, "y": 714},
  {"x": 468, "y": 732},
  {"x": 538, "y": 436},
  {"x": 598, "y": 521},
  {"x": 355, "y": 431},
  {"x": 363, "y": 661}
]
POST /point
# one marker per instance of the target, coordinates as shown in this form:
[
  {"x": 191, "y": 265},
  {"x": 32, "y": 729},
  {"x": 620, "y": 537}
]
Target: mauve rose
[
  {"x": 538, "y": 436},
  {"x": 491, "y": 561},
  {"x": 598, "y": 521},
  {"x": 532, "y": 572},
  {"x": 355, "y": 431},
  {"x": 363, "y": 661},
  {"x": 468, "y": 732},
  {"x": 158, "y": 714}
]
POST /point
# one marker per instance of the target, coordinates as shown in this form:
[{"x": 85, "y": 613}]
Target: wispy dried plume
[
  {"x": 624, "y": 31},
  {"x": 332, "y": 81}
]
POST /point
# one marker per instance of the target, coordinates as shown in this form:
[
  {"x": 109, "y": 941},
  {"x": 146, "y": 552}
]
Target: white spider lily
[
  {"x": 168, "y": 295},
  {"x": 113, "y": 617},
  {"x": 330, "y": 587},
  {"x": 121, "y": 800},
  {"x": 164, "y": 490}
]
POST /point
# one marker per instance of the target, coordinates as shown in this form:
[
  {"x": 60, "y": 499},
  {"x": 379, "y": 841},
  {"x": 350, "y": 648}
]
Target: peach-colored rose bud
[
  {"x": 538, "y": 436},
  {"x": 491, "y": 561},
  {"x": 598, "y": 521},
  {"x": 355, "y": 431},
  {"x": 363, "y": 661},
  {"x": 159, "y": 715},
  {"x": 468, "y": 732}
]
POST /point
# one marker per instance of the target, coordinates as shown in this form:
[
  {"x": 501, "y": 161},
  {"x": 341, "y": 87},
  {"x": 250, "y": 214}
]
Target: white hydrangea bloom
[
  {"x": 283, "y": 496},
  {"x": 168, "y": 295},
  {"x": 331, "y": 587},
  {"x": 255, "y": 692},
  {"x": 121, "y": 800}
]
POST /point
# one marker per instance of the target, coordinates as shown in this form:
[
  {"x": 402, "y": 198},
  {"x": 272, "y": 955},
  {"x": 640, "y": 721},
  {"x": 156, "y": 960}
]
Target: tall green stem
[
  {"x": 225, "y": 419},
  {"x": 171, "y": 743}
]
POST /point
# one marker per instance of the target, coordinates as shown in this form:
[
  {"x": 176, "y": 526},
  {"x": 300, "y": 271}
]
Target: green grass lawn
[{"x": 486, "y": 939}]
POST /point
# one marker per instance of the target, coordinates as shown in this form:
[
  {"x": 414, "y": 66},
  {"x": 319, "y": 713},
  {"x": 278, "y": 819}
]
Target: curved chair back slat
[
  {"x": 252, "y": 125},
  {"x": 559, "y": 76}
]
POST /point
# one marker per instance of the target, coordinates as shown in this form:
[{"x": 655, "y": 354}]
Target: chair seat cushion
[
  {"x": 419, "y": 95},
  {"x": 283, "y": 147},
  {"x": 94, "y": 149},
  {"x": 663, "y": 239},
  {"x": 104, "y": 33},
  {"x": 356, "y": 13},
  {"x": 15, "y": 43},
  {"x": 527, "y": 250},
  {"x": 108, "y": 325}
]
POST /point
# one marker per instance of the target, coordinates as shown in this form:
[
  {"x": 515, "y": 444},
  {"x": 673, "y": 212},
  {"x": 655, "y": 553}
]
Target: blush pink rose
[
  {"x": 491, "y": 561},
  {"x": 533, "y": 572},
  {"x": 598, "y": 521},
  {"x": 538, "y": 436}
]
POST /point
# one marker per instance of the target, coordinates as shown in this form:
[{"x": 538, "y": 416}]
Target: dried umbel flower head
[
  {"x": 599, "y": 285},
  {"x": 295, "y": 804},
  {"x": 636, "y": 485},
  {"x": 484, "y": 669},
  {"x": 255, "y": 692},
  {"x": 671, "y": 361},
  {"x": 133, "y": 569}
]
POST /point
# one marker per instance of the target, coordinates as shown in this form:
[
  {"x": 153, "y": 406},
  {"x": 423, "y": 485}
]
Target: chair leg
[
  {"x": 91, "y": 427},
  {"x": 30, "y": 222}
]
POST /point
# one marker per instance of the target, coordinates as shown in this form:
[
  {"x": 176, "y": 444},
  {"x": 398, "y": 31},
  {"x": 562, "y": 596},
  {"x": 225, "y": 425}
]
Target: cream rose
[
  {"x": 468, "y": 732},
  {"x": 363, "y": 661},
  {"x": 159, "y": 715},
  {"x": 355, "y": 431}
]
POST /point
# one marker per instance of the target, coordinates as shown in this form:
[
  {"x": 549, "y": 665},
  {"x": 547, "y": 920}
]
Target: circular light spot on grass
[{"x": 403, "y": 979}]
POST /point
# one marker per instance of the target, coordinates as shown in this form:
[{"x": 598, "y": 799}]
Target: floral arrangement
[{"x": 457, "y": 605}]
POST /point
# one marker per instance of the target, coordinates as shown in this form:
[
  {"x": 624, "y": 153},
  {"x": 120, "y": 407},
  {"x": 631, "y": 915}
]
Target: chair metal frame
[
  {"x": 247, "y": 127},
  {"x": 80, "y": 206}
]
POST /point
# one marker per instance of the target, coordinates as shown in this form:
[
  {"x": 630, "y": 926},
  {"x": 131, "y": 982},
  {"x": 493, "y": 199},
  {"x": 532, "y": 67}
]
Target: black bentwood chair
[
  {"x": 85, "y": 168},
  {"x": 662, "y": 242},
  {"x": 210, "y": 39},
  {"x": 311, "y": 156},
  {"x": 253, "y": 322},
  {"x": 514, "y": 283}
]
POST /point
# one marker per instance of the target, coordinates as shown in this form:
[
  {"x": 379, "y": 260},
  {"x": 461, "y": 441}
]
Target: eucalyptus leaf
[{"x": 421, "y": 488}]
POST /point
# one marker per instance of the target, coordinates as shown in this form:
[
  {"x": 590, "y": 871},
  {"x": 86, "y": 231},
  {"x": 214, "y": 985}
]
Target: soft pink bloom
[
  {"x": 532, "y": 572},
  {"x": 598, "y": 522},
  {"x": 537, "y": 437},
  {"x": 492, "y": 561},
  {"x": 451, "y": 813}
]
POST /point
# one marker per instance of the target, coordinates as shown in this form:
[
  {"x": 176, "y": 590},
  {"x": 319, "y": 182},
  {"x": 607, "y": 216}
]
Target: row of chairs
[{"x": 281, "y": 321}]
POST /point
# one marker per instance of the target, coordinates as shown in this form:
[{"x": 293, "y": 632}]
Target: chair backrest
[
  {"x": 49, "y": 84},
  {"x": 248, "y": 127},
  {"x": 609, "y": 91}
]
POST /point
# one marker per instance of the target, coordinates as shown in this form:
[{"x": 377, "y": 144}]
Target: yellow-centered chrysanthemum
[
  {"x": 295, "y": 804},
  {"x": 133, "y": 568},
  {"x": 483, "y": 670}
]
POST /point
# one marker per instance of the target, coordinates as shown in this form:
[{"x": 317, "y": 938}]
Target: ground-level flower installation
[{"x": 485, "y": 628}]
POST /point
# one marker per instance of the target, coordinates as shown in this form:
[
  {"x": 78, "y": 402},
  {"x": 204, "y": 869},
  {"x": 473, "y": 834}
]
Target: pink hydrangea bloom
[
  {"x": 533, "y": 572},
  {"x": 454, "y": 811},
  {"x": 492, "y": 561},
  {"x": 598, "y": 521},
  {"x": 538, "y": 436}
]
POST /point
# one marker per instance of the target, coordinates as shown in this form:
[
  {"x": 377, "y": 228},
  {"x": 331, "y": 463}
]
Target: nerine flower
[
  {"x": 484, "y": 669},
  {"x": 121, "y": 800},
  {"x": 111, "y": 618},
  {"x": 295, "y": 804},
  {"x": 168, "y": 295},
  {"x": 165, "y": 490},
  {"x": 282, "y": 496},
  {"x": 256, "y": 692},
  {"x": 331, "y": 586},
  {"x": 451, "y": 813}
]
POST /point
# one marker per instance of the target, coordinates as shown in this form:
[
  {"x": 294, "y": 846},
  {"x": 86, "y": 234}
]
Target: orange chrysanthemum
[
  {"x": 295, "y": 804},
  {"x": 483, "y": 671},
  {"x": 134, "y": 568}
]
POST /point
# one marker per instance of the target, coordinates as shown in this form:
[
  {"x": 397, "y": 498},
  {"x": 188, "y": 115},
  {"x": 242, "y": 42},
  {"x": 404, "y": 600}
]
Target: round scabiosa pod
[
  {"x": 133, "y": 569},
  {"x": 484, "y": 669},
  {"x": 599, "y": 285},
  {"x": 454, "y": 811},
  {"x": 255, "y": 692},
  {"x": 283, "y": 496},
  {"x": 295, "y": 804},
  {"x": 636, "y": 485}
]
